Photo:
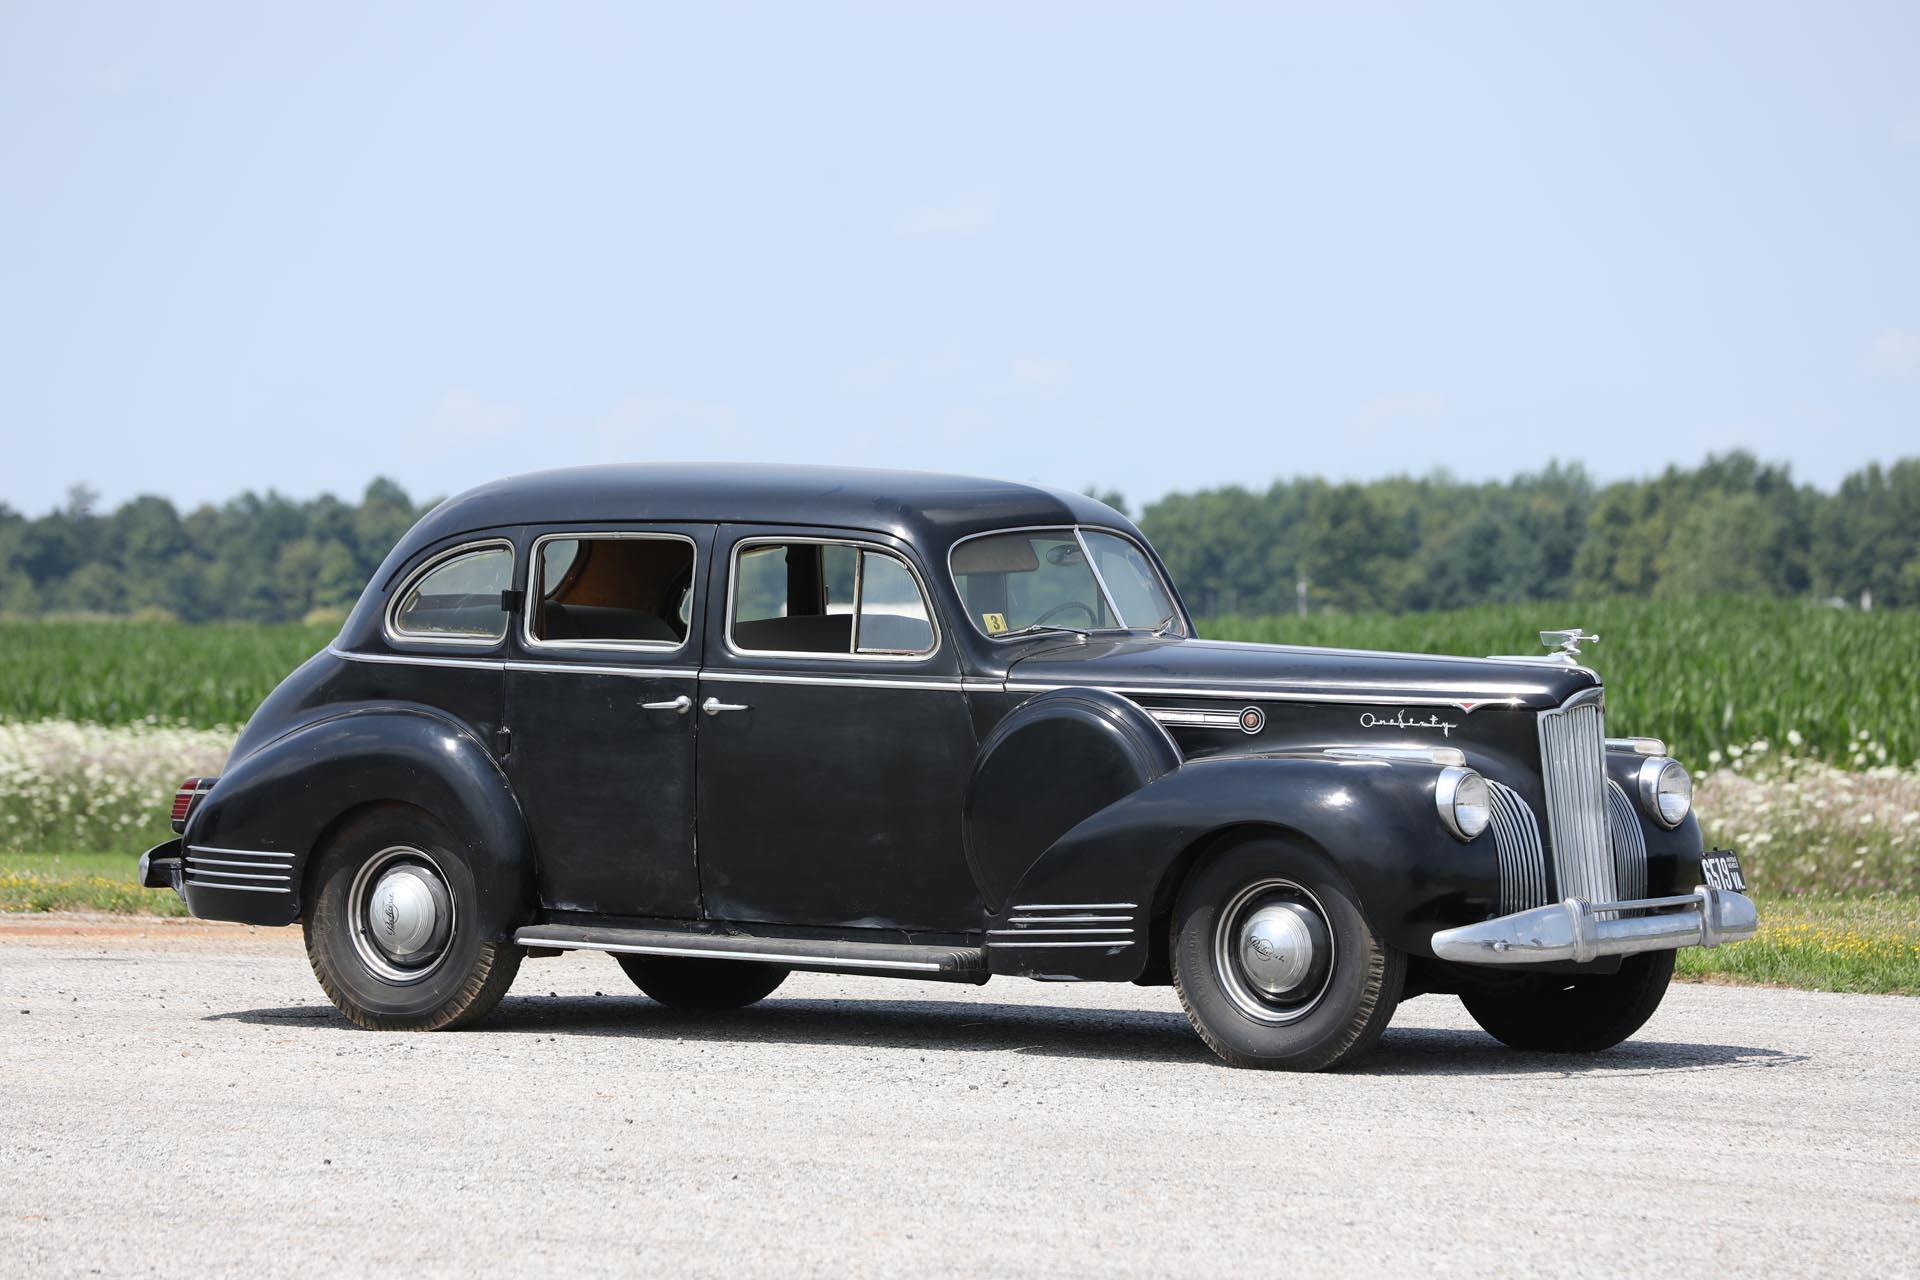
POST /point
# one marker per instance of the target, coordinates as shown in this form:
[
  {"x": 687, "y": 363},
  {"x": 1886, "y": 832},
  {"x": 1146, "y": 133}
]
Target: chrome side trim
[
  {"x": 397, "y": 636},
  {"x": 1330, "y": 693},
  {"x": 602, "y": 669},
  {"x": 532, "y": 938},
  {"x": 235, "y": 888},
  {"x": 240, "y": 853},
  {"x": 1070, "y": 920},
  {"x": 1077, "y": 906},
  {"x": 200, "y": 869},
  {"x": 1577, "y": 931},
  {"x": 1452, "y": 757},
  {"x": 419, "y": 659},
  {"x": 868, "y": 682},
  {"x": 1030, "y": 933},
  {"x": 1112, "y": 942},
  {"x": 191, "y": 860}
]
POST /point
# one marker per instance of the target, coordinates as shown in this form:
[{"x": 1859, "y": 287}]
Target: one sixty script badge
[{"x": 1400, "y": 720}]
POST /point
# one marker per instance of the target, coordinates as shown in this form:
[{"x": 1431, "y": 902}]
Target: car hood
[{"x": 1148, "y": 665}]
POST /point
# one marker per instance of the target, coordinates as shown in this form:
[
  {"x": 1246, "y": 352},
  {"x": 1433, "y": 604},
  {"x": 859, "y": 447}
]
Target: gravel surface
[{"x": 185, "y": 1102}]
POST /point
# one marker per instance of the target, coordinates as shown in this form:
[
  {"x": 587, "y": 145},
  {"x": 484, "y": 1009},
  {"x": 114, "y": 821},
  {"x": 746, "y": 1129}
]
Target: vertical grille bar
[
  {"x": 1629, "y": 844},
  {"x": 1573, "y": 767},
  {"x": 1523, "y": 860}
]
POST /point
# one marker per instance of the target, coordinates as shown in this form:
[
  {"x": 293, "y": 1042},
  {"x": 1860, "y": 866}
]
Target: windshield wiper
[{"x": 1035, "y": 628}]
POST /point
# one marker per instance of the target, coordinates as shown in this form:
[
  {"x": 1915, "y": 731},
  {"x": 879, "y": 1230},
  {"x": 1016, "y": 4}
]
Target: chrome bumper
[{"x": 1578, "y": 931}]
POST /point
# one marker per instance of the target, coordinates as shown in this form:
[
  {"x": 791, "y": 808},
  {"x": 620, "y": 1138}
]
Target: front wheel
[
  {"x": 389, "y": 928},
  {"x": 1274, "y": 963},
  {"x": 1574, "y": 1015}
]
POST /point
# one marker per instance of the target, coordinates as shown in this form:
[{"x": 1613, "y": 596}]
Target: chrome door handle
[
  {"x": 679, "y": 706},
  {"x": 713, "y": 706}
]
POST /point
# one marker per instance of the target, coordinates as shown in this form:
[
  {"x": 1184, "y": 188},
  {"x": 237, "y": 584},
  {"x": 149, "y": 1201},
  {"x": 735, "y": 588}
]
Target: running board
[{"x": 889, "y": 959}]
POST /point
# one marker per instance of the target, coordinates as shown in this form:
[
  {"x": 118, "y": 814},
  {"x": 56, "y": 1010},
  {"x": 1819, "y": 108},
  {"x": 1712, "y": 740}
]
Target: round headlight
[
  {"x": 1666, "y": 792},
  {"x": 1465, "y": 804}
]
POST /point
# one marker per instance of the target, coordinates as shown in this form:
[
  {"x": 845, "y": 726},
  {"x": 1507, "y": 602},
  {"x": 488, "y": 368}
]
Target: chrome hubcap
[
  {"x": 1273, "y": 951},
  {"x": 402, "y": 914}
]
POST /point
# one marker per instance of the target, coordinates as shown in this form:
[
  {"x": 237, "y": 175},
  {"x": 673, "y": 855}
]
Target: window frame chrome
[
  {"x": 780, "y": 540},
  {"x": 532, "y": 601},
  {"x": 396, "y": 636},
  {"x": 1099, "y": 579}
]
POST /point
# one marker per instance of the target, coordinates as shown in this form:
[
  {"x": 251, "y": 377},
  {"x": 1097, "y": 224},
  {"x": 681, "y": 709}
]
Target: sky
[{"x": 1144, "y": 248}]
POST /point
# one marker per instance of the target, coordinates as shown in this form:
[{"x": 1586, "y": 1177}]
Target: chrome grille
[
  {"x": 1516, "y": 839},
  {"x": 1573, "y": 767},
  {"x": 1629, "y": 844}
]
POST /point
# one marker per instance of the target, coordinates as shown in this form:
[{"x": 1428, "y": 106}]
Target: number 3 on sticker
[{"x": 995, "y": 622}]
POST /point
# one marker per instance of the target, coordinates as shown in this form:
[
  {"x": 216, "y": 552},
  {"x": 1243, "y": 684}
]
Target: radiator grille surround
[{"x": 1573, "y": 771}]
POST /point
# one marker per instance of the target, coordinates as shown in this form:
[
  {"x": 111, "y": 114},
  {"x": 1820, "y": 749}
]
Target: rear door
[
  {"x": 600, "y": 706},
  {"x": 835, "y": 742}
]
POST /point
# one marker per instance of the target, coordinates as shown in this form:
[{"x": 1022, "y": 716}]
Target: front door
[
  {"x": 600, "y": 707},
  {"x": 835, "y": 743}
]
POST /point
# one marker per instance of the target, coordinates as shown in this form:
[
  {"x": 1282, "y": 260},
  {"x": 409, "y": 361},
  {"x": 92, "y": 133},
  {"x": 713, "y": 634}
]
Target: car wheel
[
  {"x": 1574, "y": 1015},
  {"x": 387, "y": 928},
  {"x": 1274, "y": 963},
  {"x": 681, "y": 983}
]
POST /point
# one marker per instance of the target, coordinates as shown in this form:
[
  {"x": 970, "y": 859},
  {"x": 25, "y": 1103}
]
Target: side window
[
  {"x": 609, "y": 591},
  {"x": 828, "y": 598},
  {"x": 459, "y": 598}
]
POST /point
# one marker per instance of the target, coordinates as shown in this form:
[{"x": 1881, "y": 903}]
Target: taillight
[{"x": 186, "y": 797}]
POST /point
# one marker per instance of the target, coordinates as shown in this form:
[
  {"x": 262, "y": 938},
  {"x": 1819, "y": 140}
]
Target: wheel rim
[
  {"x": 1273, "y": 951},
  {"x": 401, "y": 914}
]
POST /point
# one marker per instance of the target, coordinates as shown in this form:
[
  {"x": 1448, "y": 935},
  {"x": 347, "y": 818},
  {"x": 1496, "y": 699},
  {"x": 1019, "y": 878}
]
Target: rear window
[
  {"x": 612, "y": 591},
  {"x": 458, "y": 599}
]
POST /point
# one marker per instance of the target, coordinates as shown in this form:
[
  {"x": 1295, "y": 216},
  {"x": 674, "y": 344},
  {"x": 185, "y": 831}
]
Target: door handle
[
  {"x": 679, "y": 706},
  {"x": 713, "y": 706}
]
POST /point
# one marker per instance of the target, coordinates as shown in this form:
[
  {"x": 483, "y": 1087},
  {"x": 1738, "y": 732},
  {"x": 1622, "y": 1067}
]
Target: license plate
[{"x": 1721, "y": 870}]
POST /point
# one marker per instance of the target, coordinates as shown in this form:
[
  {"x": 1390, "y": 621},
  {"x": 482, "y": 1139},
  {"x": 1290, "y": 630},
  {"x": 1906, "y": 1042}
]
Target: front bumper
[{"x": 1579, "y": 931}]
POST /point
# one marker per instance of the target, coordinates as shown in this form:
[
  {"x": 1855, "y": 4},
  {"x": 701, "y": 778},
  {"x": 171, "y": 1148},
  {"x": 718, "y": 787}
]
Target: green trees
[
  {"x": 262, "y": 558},
  {"x": 1732, "y": 525}
]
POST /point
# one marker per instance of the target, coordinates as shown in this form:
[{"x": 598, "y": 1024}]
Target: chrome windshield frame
[{"x": 1099, "y": 579}]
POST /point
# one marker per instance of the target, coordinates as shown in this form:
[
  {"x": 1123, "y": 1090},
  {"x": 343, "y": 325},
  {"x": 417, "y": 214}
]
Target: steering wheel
[{"x": 1057, "y": 610}]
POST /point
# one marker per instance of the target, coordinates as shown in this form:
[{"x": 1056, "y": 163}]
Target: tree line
[{"x": 1733, "y": 525}]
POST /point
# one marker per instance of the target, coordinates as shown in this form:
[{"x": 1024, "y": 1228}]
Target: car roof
[{"x": 926, "y": 509}]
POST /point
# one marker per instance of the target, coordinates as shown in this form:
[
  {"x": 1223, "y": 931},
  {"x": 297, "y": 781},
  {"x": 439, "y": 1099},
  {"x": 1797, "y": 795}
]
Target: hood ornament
[{"x": 1568, "y": 641}]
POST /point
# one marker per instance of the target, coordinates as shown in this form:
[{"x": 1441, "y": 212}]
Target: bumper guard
[{"x": 1577, "y": 931}]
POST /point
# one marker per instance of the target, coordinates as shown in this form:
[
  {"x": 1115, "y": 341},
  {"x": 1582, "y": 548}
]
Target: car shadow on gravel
[{"x": 1137, "y": 1035}]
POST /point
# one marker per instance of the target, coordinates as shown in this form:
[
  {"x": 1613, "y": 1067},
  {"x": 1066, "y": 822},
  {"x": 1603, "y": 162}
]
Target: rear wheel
[
  {"x": 680, "y": 983},
  {"x": 1274, "y": 963},
  {"x": 389, "y": 928},
  {"x": 1574, "y": 1015}
]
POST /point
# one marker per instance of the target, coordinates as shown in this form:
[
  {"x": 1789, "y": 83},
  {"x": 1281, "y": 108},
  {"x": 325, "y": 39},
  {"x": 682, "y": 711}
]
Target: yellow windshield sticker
[{"x": 995, "y": 622}]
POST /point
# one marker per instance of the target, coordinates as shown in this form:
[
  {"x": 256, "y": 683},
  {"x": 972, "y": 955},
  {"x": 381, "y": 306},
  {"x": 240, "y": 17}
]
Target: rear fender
[
  {"x": 1374, "y": 819},
  {"x": 288, "y": 795}
]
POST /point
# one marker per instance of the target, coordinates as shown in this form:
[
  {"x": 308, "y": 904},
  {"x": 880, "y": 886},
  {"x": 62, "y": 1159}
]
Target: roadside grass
[
  {"x": 38, "y": 882},
  {"x": 1817, "y": 942},
  {"x": 1822, "y": 942}
]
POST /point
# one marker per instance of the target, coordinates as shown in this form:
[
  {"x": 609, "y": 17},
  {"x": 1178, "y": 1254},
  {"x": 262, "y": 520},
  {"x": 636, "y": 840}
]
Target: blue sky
[{"x": 1150, "y": 248}]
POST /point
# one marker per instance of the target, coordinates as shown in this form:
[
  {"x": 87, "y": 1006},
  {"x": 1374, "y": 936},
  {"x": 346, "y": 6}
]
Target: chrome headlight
[
  {"x": 1666, "y": 792},
  {"x": 1465, "y": 804}
]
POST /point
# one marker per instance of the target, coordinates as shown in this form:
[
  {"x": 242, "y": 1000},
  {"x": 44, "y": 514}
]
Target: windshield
[{"x": 1043, "y": 578}]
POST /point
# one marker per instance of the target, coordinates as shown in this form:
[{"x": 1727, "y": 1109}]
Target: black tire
[
  {"x": 1347, "y": 992},
  {"x": 1574, "y": 1015},
  {"x": 454, "y": 982},
  {"x": 681, "y": 983}
]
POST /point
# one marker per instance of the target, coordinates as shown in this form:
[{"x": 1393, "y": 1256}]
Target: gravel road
[{"x": 182, "y": 1100}]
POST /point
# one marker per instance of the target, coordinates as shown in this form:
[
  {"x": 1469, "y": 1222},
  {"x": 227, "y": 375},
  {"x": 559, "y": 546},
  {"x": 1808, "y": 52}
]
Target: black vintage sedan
[{"x": 726, "y": 722}]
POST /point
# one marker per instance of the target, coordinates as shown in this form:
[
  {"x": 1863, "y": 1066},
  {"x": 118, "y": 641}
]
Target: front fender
[
  {"x": 286, "y": 796},
  {"x": 1374, "y": 819}
]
